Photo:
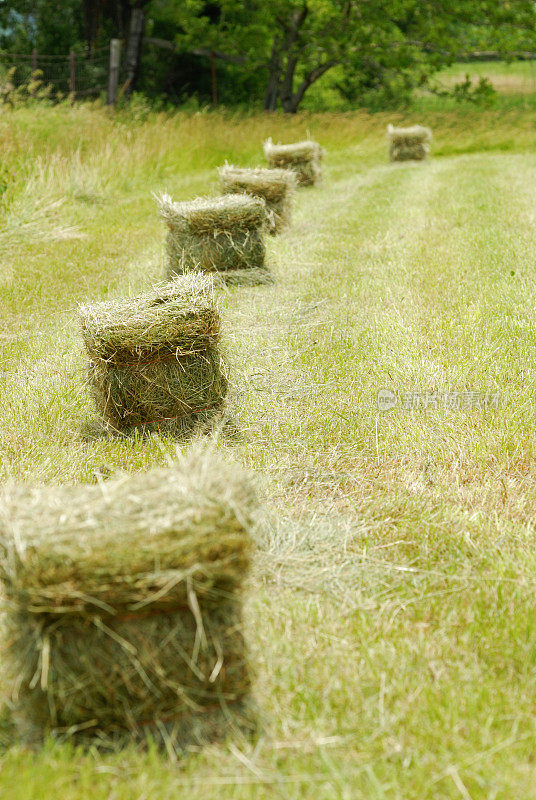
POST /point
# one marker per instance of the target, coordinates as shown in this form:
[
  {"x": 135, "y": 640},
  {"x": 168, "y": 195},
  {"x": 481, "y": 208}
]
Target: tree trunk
[
  {"x": 287, "y": 96},
  {"x": 135, "y": 35},
  {"x": 297, "y": 96},
  {"x": 285, "y": 85},
  {"x": 274, "y": 77}
]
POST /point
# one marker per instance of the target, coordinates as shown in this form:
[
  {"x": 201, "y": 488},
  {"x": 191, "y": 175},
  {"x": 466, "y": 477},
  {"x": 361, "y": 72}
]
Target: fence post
[
  {"x": 113, "y": 74},
  {"x": 34, "y": 70},
  {"x": 72, "y": 74}
]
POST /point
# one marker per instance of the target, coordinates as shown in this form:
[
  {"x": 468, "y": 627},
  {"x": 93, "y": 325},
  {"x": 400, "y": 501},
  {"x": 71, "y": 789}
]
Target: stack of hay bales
[
  {"x": 303, "y": 158},
  {"x": 275, "y": 186},
  {"x": 409, "y": 144},
  {"x": 121, "y": 604},
  {"x": 222, "y": 235},
  {"x": 155, "y": 362}
]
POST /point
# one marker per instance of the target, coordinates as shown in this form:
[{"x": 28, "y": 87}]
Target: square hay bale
[
  {"x": 121, "y": 604},
  {"x": 409, "y": 144},
  {"x": 275, "y": 186},
  {"x": 154, "y": 360},
  {"x": 303, "y": 158},
  {"x": 222, "y": 235}
]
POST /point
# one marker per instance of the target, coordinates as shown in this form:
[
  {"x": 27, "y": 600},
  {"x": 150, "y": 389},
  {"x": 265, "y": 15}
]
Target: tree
[
  {"x": 295, "y": 42},
  {"x": 271, "y": 52},
  {"x": 26, "y": 24},
  {"x": 134, "y": 44},
  {"x": 123, "y": 19}
]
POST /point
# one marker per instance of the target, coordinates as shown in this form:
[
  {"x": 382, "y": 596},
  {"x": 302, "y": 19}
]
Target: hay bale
[
  {"x": 303, "y": 158},
  {"x": 244, "y": 277},
  {"x": 121, "y": 604},
  {"x": 155, "y": 362},
  {"x": 275, "y": 186},
  {"x": 409, "y": 144},
  {"x": 222, "y": 234}
]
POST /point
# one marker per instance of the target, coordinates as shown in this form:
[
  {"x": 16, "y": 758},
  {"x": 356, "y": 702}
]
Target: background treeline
[{"x": 269, "y": 54}]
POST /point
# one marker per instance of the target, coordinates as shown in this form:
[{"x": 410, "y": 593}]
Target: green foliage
[
  {"x": 384, "y": 51},
  {"x": 49, "y": 26},
  {"x": 31, "y": 91},
  {"x": 271, "y": 53},
  {"x": 481, "y": 93}
]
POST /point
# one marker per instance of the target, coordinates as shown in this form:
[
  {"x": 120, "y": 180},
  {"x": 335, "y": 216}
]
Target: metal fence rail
[{"x": 75, "y": 73}]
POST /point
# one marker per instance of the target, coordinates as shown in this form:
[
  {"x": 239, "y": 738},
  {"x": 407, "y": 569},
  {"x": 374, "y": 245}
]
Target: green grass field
[
  {"x": 513, "y": 84},
  {"x": 391, "y": 613},
  {"x": 517, "y": 77}
]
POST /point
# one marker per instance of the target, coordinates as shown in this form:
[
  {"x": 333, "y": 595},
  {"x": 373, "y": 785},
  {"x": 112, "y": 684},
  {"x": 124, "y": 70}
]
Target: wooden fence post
[
  {"x": 34, "y": 70},
  {"x": 113, "y": 73},
  {"x": 72, "y": 74}
]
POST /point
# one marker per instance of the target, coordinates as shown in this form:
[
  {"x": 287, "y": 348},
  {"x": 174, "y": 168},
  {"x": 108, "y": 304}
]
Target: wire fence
[{"x": 76, "y": 73}]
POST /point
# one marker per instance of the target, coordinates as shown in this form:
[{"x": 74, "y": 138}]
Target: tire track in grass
[
  {"x": 401, "y": 267},
  {"x": 334, "y": 261},
  {"x": 355, "y": 264},
  {"x": 473, "y": 314}
]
